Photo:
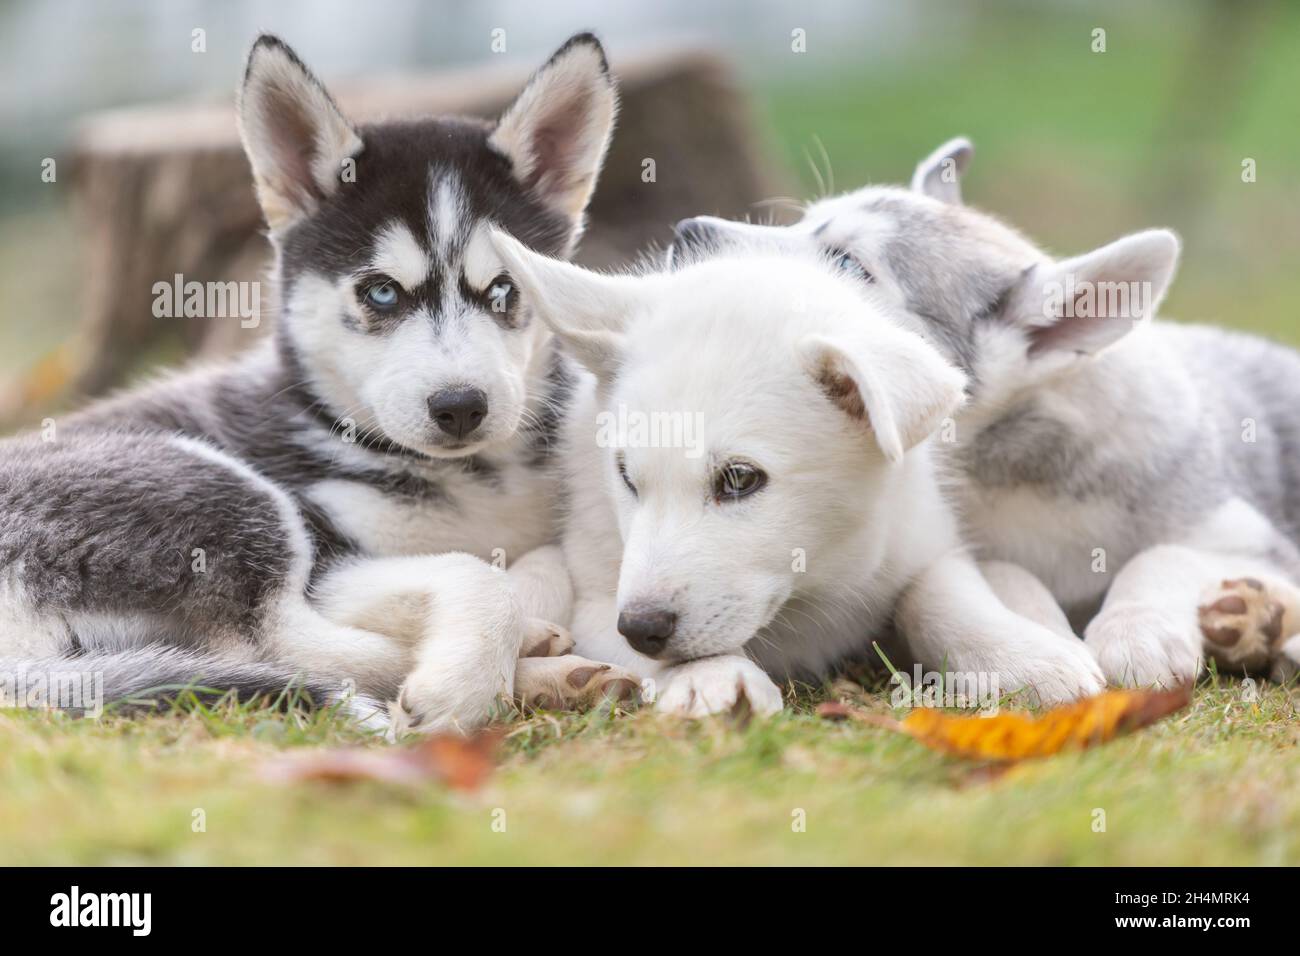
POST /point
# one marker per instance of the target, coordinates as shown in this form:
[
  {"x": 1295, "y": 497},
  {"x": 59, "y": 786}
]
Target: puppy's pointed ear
[
  {"x": 295, "y": 137},
  {"x": 587, "y": 311},
  {"x": 891, "y": 382},
  {"x": 558, "y": 130},
  {"x": 939, "y": 174},
  {"x": 1084, "y": 304}
]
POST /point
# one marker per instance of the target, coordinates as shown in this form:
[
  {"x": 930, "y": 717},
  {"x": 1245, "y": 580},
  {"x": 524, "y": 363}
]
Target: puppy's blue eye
[
  {"x": 846, "y": 262},
  {"x": 381, "y": 295},
  {"x": 501, "y": 294}
]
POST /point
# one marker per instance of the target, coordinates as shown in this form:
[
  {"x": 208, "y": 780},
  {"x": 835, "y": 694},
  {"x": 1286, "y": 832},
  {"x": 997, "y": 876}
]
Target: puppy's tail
[{"x": 148, "y": 677}]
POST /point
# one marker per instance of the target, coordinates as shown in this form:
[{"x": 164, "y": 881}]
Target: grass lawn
[
  {"x": 1218, "y": 783},
  {"x": 1073, "y": 146}
]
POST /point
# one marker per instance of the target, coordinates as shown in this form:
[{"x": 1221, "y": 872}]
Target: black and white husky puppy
[
  {"x": 1146, "y": 472},
  {"x": 326, "y": 505}
]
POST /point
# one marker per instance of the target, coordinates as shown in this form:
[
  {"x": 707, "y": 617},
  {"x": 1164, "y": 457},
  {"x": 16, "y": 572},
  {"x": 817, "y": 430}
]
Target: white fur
[
  {"x": 939, "y": 174},
  {"x": 810, "y": 568},
  {"x": 449, "y": 622},
  {"x": 447, "y": 214},
  {"x": 400, "y": 255},
  {"x": 278, "y": 100},
  {"x": 383, "y": 382},
  {"x": 1109, "y": 379},
  {"x": 563, "y": 170}
]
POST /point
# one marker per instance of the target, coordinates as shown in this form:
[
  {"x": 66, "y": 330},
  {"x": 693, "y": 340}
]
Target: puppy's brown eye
[{"x": 737, "y": 479}]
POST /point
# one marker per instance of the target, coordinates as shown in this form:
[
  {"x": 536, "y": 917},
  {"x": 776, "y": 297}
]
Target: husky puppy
[
  {"x": 1115, "y": 457},
  {"x": 804, "y": 507},
  {"x": 326, "y": 505}
]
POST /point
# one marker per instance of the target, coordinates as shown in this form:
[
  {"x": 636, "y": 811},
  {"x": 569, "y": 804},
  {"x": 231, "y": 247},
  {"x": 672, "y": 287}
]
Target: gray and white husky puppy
[
  {"x": 325, "y": 506},
  {"x": 1148, "y": 473},
  {"x": 751, "y": 486}
]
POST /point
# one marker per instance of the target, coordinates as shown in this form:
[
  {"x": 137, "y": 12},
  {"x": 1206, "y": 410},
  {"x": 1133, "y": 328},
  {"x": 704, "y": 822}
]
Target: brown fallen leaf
[
  {"x": 462, "y": 763},
  {"x": 1085, "y": 723},
  {"x": 837, "y": 710}
]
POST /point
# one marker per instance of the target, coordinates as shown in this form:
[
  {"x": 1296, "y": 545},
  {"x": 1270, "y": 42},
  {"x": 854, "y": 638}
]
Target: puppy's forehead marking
[
  {"x": 397, "y": 253},
  {"x": 448, "y": 215}
]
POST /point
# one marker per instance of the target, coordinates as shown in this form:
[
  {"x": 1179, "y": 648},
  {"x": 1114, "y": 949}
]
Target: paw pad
[{"x": 1241, "y": 622}]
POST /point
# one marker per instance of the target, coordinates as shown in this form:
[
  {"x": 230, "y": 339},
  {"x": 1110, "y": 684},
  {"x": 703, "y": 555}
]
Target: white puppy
[
  {"x": 1115, "y": 456},
  {"x": 751, "y": 488}
]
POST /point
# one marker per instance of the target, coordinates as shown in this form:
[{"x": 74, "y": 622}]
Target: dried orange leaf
[
  {"x": 462, "y": 763},
  {"x": 48, "y": 377},
  {"x": 1085, "y": 723}
]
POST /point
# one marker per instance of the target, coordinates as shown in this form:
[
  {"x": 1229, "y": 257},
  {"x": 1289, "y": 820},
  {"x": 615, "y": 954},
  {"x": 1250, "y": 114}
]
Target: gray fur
[
  {"x": 963, "y": 279},
  {"x": 140, "y": 677},
  {"x": 162, "y": 536}
]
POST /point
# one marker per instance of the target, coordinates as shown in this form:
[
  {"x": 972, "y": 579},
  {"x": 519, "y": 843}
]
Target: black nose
[
  {"x": 647, "y": 629},
  {"x": 458, "y": 411}
]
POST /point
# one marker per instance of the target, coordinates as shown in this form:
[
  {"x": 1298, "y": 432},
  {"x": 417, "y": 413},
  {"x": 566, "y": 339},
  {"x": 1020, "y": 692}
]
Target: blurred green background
[{"x": 1073, "y": 146}]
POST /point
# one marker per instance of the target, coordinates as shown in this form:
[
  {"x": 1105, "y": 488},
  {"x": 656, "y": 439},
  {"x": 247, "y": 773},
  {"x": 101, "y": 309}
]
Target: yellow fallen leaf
[
  {"x": 48, "y": 377},
  {"x": 1085, "y": 723}
]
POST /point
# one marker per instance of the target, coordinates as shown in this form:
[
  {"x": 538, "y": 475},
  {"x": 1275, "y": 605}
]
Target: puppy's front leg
[
  {"x": 1173, "y": 606},
  {"x": 544, "y": 590},
  {"x": 714, "y": 685},
  {"x": 1024, "y": 594},
  {"x": 458, "y": 615},
  {"x": 952, "y": 619},
  {"x": 1149, "y": 630},
  {"x": 604, "y": 667},
  {"x": 710, "y": 685}
]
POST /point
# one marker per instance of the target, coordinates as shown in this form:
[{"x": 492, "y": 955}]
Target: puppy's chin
[
  {"x": 450, "y": 449},
  {"x": 424, "y": 443},
  {"x": 435, "y": 444}
]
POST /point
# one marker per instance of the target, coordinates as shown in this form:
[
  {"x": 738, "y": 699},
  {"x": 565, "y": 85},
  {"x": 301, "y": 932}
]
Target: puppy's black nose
[
  {"x": 647, "y": 629},
  {"x": 458, "y": 411}
]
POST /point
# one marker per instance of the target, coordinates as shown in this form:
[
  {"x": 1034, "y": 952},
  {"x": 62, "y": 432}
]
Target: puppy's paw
[
  {"x": 367, "y": 714},
  {"x": 1242, "y": 623},
  {"x": 714, "y": 685},
  {"x": 572, "y": 683},
  {"x": 544, "y": 639},
  {"x": 1142, "y": 646},
  {"x": 1057, "y": 670},
  {"x": 430, "y": 703}
]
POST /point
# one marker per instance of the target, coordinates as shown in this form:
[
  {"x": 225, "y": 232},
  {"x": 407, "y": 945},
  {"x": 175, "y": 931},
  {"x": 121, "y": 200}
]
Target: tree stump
[{"x": 166, "y": 190}]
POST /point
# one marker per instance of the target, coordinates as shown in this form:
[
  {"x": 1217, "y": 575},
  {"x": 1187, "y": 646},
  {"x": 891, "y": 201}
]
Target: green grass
[
  {"x": 1216, "y": 784},
  {"x": 1074, "y": 147}
]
